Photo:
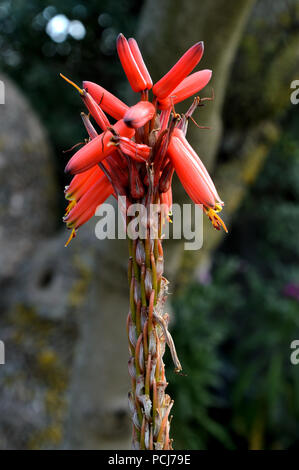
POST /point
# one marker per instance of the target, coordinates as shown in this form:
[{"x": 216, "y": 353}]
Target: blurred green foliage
[{"x": 233, "y": 333}]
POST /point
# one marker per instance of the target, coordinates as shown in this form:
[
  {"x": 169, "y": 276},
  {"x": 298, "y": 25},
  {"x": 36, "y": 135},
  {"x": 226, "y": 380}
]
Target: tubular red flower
[
  {"x": 87, "y": 205},
  {"x": 139, "y": 61},
  {"x": 79, "y": 180},
  {"x": 96, "y": 150},
  {"x": 95, "y": 110},
  {"x": 95, "y": 175},
  {"x": 179, "y": 71},
  {"x": 190, "y": 173},
  {"x": 181, "y": 136},
  {"x": 131, "y": 69},
  {"x": 139, "y": 114},
  {"x": 108, "y": 102},
  {"x": 76, "y": 183},
  {"x": 188, "y": 87}
]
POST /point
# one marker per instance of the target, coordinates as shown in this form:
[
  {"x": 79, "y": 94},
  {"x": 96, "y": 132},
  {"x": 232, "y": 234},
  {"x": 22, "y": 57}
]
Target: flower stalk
[{"x": 148, "y": 334}]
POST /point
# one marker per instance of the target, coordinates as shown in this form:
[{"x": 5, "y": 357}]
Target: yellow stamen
[
  {"x": 73, "y": 84},
  {"x": 69, "y": 207},
  {"x": 215, "y": 218},
  {"x": 218, "y": 218},
  {"x": 72, "y": 235}
]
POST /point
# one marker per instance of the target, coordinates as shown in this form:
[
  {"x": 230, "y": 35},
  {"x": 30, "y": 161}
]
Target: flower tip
[
  {"x": 67, "y": 169},
  {"x": 199, "y": 48},
  {"x": 120, "y": 40}
]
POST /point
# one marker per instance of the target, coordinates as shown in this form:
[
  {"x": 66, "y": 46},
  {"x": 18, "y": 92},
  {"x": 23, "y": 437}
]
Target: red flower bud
[
  {"x": 180, "y": 134},
  {"x": 76, "y": 183},
  {"x": 190, "y": 172},
  {"x": 108, "y": 102},
  {"x": 95, "y": 110},
  {"x": 76, "y": 193},
  {"x": 139, "y": 61},
  {"x": 179, "y": 71},
  {"x": 188, "y": 87},
  {"x": 87, "y": 205},
  {"x": 131, "y": 69}
]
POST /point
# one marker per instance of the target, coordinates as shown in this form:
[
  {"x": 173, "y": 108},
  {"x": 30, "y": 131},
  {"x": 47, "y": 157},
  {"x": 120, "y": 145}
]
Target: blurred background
[{"x": 234, "y": 303}]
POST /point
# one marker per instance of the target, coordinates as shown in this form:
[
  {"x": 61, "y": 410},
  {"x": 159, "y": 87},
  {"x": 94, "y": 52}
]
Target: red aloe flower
[
  {"x": 137, "y": 135},
  {"x": 137, "y": 81},
  {"x": 96, "y": 150},
  {"x": 188, "y": 87},
  {"x": 190, "y": 173},
  {"x": 77, "y": 182},
  {"x": 177, "y": 133},
  {"x": 76, "y": 193},
  {"x": 179, "y": 71},
  {"x": 108, "y": 102},
  {"x": 195, "y": 178},
  {"x": 85, "y": 208},
  {"x": 139, "y": 61}
]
